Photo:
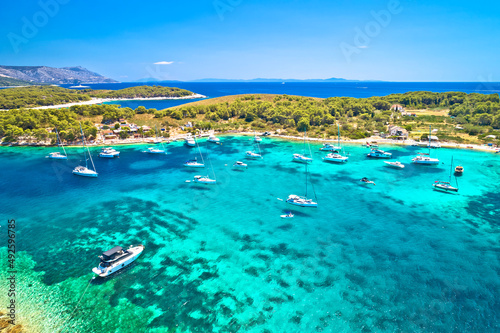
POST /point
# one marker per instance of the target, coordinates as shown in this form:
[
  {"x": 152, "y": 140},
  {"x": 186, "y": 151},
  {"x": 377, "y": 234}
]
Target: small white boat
[
  {"x": 213, "y": 138},
  {"x": 253, "y": 155},
  {"x": 257, "y": 139},
  {"x": 301, "y": 158},
  {"x": 301, "y": 201},
  {"x": 366, "y": 181},
  {"x": 397, "y": 165},
  {"x": 239, "y": 165},
  {"x": 377, "y": 153},
  {"x": 371, "y": 145},
  {"x": 189, "y": 141},
  {"x": 194, "y": 164},
  {"x": 57, "y": 156},
  {"x": 117, "y": 258},
  {"x": 152, "y": 150},
  {"x": 288, "y": 215},
  {"x": 336, "y": 158},
  {"x": 204, "y": 180},
  {"x": 109, "y": 152},
  {"x": 84, "y": 171},
  {"x": 424, "y": 158},
  {"x": 329, "y": 147}
]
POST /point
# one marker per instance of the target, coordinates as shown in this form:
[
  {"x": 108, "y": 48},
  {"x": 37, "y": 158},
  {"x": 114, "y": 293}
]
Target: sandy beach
[
  {"x": 378, "y": 140},
  {"x": 103, "y": 100}
]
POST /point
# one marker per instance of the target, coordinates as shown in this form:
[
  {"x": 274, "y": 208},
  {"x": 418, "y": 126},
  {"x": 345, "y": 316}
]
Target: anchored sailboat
[
  {"x": 153, "y": 150},
  {"x": 336, "y": 157},
  {"x": 302, "y": 158},
  {"x": 58, "y": 155},
  {"x": 255, "y": 153},
  {"x": 194, "y": 163},
  {"x": 446, "y": 186},
  {"x": 206, "y": 179},
  {"x": 84, "y": 171},
  {"x": 302, "y": 201},
  {"x": 425, "y": 158}
]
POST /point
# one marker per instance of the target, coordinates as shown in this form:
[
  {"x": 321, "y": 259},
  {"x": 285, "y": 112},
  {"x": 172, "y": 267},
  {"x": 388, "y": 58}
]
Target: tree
[
  {"x": 123, "y": 135},
  {"x": 303, "y": 124}
]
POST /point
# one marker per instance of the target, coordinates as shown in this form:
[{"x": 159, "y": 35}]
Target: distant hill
[
  {"x": 6, "y": 81},
  {"x": 51, "y": 75}
]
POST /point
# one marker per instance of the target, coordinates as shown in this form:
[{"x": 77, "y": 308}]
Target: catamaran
[
  {"x": 446, "y": 186},
  {"x": 302, "y": 158},
  {"x": 425, "y": 158},
  {"x": 84, "y": 171},
  {"x": 58, "y": 155},
  {"x": 194, "y": 163},
  {"x": 117, "y": 258},
  {"x": 302, "y": 201},
  {"x": 336, "y": 157}
]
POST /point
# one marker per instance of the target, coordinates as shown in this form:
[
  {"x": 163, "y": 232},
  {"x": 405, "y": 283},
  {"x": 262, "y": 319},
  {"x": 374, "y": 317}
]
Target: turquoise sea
[{"x": 394, "y": 257}]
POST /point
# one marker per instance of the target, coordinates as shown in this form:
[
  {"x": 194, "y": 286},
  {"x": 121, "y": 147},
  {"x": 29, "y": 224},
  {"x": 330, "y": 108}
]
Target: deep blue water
[
  {"x": 311, "y": 89},
  {"x": 394, "y": 257}
]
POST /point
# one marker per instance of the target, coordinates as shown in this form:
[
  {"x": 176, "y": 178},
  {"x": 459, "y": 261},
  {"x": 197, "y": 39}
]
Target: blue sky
[{"x": 244, "y": 39}]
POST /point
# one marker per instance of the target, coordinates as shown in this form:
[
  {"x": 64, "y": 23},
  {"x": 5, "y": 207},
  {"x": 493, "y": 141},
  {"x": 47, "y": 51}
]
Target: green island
[
  {"x": 458, "y": 117},
  {"x": 26, "y": 97}
]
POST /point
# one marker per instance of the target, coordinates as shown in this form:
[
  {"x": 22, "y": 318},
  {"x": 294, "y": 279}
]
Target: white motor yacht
[
  {"x": 257, "y": 139},
  {"x": 117, "y": 258},
  {"x": 152, "y": 150},
  {"x": 301, "y": 201},
  {"x": 57, "y": 156},
  {"x": 397, "y": 165},
  {"x": 213, "y": 138},
  {"x": 377, "y": 153},
  {"x": 190, "y": 141},
  {"x": 109, "y": 152},
  {"x": 329, "y": 147}
]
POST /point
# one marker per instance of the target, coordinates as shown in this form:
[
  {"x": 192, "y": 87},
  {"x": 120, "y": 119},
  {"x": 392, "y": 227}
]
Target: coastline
[
  {"x": 95, "y": 100},
  {"x": 180, "y": 137}
]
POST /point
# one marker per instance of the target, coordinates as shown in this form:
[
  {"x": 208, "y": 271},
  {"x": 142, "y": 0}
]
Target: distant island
[
  {"x": 46, "y": 96},
  {"x": 333, "y": 79},
  {"x": 28, "y": 75}
]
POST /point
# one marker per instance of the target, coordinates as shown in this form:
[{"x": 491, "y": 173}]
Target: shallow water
[{"x": 395, "y": 257}]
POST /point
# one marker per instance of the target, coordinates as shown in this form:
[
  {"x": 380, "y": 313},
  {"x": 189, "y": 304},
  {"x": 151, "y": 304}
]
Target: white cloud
[
  {"x": 164, "y": 63},
  {"x": 362, "y": 47}
]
